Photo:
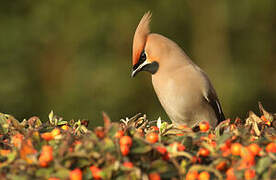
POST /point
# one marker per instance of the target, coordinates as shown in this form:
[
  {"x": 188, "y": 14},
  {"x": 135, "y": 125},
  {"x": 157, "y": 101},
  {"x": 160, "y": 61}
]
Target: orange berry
[
  {"x": 221, "y": 166},
  {"x": 226, "y": 153},
  {"x": 141, "y": 132},
  {"x": 154, "y": 176},
  {"x": 96, "y": 172},
  {"x": 55, "y": 132},
  {"x": 65, "y": 127},
  {"x": 263, "y": 118},
  {"x": 53, "y": 178},
  {"x": 192, "y": 175},
  {"x": 46, "y": 156},
  {"x": 246, "y": 153},
  {"x": 124, "y": 150},
  {"x": 47, "y": 136},
  {"x": 155, "y": 128},
  {"x": 254, "y": 149},
  {"x": 211, "y": 136},
  {"x": 99, "y": 131},
  {"x": 271, "y": 147},
  {"x": 152, "y": 137},
  {"x": 17, "y": 140},
  {"x": 4, "y": 152},
  {"x": 183, "y": 126},
  {"x": 213, "y": 144},
  {"x": 203, "y": 152},
  {"x": 249, "y": 174},
  {"x": 161, "y": 150},
  {"x": 230, "y": 174},
  {"x": 204, "y": 126},
  {"x": 42, "y": 163},
  {"x": 77, "y": 142},
  {"x": 224, "y": 147},
  {"x": 119, "y": 134},
  {"x": 126, "y": 141},
  {"x": 236, "y": 149},
  {"x": 266, "y": 121},
  {"x": 128, "y": 164},
  {"x": 194, "y": 159},
  {"x": 47, "y": 148},
  {"x": 204, "y": 175},
  {"x": 75, "y": 174},
  {"x": 180, "y": 147},
  {"x": 166, "y": 157}
]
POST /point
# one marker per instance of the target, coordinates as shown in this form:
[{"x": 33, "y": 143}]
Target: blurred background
[{"x": 75, "y": 56}]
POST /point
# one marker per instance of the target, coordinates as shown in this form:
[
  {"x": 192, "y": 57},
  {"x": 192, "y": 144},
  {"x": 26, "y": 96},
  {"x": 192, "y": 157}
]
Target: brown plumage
[{"x": 183, "y": 89}]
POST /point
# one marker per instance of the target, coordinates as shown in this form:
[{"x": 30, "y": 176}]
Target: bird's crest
[{"x": 140, "y": 37}]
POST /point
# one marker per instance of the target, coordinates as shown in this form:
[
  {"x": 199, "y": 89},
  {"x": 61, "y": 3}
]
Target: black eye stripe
[{"x": 142, "y": 58}]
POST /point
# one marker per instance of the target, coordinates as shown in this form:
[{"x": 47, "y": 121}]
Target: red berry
[
  {"x": 75, "y": 174},
  {"x": 152, "y": 137},
  {"x": 204, "y": 175},
  {"x": 236, "y": 149},
  {"x": 204, "y": 126},
  {"x": 230, "y": 174},
  {"x": 47, "y": 136},
  {"x": 95, "y": 172},
  {"x": 203, "y": 152},
  {"x": 119, "y": 134},
  {"x": 46, "y": 156},
  {"x": 249, "y": 174},
  {"x": 126, "y": 141},
  {"x": 155, "y": 128},
  {"x": 221, "y": 166},
  {"x": 161, "y": 150},
  {"x": 254, "y": 149},
  {"x": 271, "y": 147},
  {"x": 154, "y": 176},
  {"x": 192, "y": 175},
  {"x": 65, "y": 127},
  {"x": 128, "y": 164},
  {"x": 124, "y": 150},
  {"x": 55, "y": 132}
]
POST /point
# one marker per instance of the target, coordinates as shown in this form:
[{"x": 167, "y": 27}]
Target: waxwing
[{"x": 184, "y": 90}]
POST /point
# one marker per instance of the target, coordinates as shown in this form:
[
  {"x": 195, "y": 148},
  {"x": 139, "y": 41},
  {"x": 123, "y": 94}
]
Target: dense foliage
[
  {"x": 137, "y": 148},
  {"x": 67, "y": 55}
]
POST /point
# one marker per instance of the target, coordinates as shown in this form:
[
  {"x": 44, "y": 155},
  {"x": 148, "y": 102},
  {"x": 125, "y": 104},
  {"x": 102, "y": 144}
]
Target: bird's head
[
  {"x": 153, "y": 52},
  {"x": 141, "y": 57}
]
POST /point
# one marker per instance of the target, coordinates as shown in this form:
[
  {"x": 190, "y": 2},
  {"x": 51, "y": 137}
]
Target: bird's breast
[{"x": 178, "y": 100}]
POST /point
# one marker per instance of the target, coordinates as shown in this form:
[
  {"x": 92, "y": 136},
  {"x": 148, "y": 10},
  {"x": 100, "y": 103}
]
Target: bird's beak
[{"x": 139, "y": 68}]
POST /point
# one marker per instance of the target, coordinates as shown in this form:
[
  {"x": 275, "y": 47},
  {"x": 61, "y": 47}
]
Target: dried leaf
[{"x": 107, "y": 121}]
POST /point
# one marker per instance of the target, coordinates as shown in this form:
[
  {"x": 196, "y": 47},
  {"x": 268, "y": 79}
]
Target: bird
[{"x": 183, "y": 88}]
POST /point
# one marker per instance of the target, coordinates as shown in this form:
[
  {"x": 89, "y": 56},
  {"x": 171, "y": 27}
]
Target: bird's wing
[{"x": 212, "y": 99}]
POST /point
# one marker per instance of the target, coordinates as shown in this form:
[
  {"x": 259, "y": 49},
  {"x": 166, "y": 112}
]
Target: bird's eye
[{"x": 143, "y": 56}]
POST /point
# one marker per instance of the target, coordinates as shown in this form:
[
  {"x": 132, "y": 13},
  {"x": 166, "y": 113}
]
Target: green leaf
[
  {"x": 4, "y": 126},
  {"x": 19, "y": 177},
  {"x": 87, "y": 174},
  {"x": 51, "y": 115},
  {"x": 62, "y": 123},
  {"x": 223, "y": 138},
  {"x": 263, "y": 164},
  {"x": 62, "y": 173},
  {"x": 140, "y": 147},
  {"x": 159, "y": 166},
  {"x": 108, "y": 146},
  {"x": 44, "y": 172},
  {"x": 112, "y": 130}
]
